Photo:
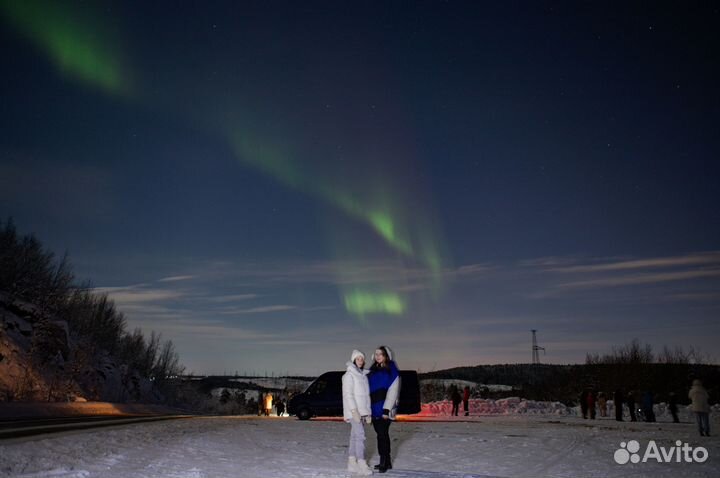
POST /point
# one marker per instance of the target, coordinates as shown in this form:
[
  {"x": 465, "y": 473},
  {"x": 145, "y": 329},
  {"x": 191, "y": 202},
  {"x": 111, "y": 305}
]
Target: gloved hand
[
  {"x": 355, "y": 415},
  {"x": 368, "y": 419}
]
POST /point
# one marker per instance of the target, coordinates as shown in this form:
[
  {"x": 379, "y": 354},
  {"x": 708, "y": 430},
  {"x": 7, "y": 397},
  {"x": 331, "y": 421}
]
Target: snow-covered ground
[{"x": 258, "y": 447}]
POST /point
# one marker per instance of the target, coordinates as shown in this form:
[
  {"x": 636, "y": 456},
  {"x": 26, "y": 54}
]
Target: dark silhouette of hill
[{"x": 565, "y": 382}]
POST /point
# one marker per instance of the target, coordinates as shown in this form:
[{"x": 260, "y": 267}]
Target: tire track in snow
[{"x": 555, "y": 458}]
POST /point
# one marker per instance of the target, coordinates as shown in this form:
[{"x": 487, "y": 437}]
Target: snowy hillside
[{"x": 39, "y": 361}]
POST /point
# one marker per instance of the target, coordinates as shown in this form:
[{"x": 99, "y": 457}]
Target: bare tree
[
  {"x": 97, "y": 329},
  {"x": 631, "y": 353}
]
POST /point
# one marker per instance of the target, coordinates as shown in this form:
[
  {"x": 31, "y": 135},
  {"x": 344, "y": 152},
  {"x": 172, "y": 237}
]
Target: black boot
[
  {"x": 381, "y": 464},
  {"x": 385, "y": 464}
]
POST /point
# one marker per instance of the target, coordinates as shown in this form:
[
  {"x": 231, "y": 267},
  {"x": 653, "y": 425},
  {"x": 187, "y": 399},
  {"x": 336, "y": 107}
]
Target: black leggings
[{"x": 382, "y": 428}]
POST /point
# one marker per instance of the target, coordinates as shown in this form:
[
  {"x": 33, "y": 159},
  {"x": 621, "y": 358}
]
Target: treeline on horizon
[
  {"x": 632, "y": 367},
  {"x": 32, "y": 274}
]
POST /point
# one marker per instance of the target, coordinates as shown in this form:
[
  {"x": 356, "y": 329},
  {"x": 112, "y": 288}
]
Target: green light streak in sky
[
  {"x": 275, "y": 162},
  {"x": 409, "y": 234},
  {"x": 385, "y": 226},
  {"x": 362, "y": 303},
  {"x": 270, "y": 160},
  {"x": 81, "y": 47},
  {"x": 75, "y": 48}
]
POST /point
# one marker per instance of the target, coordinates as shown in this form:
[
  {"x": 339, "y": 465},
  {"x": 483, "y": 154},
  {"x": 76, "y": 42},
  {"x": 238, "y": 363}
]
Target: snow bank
[
  {"x": 503, "y": 406},
  {"x": 520, "y": 406}
]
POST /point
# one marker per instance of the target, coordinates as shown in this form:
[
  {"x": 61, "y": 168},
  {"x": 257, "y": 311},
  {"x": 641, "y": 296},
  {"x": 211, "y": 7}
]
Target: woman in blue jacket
[{"x": 384, "y": 395}]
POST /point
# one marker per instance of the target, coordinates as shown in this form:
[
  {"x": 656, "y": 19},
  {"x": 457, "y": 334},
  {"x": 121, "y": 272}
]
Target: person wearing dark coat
[
  {"x": 630, "y": 400},
  {"x": 384, "y": 381},
  {"x": 648, "y": 406},
  {"x": 673, "y": 407},
  {"x": 456, "y": 399},
  {"x": 591, "y": 404},
  {"x": 583, "y": 403},
  {"x": 618, "y": 400}
]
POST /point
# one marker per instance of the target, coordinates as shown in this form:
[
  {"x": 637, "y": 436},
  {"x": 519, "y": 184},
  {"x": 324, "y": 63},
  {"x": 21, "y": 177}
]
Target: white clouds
[
  {"x": 642, "y": 279},
  {"x": 175, "y": 278},
  {"x": 274, "y": 313},
  {"x": 260, "y": 310},
  {"x": 198, "y": 329},
  {"x": 703, "y": 259},
  {"x": 232, "y": 298},
  {"x": 389, "y": 272},
  {"x": 472, "y": 269},
  {"x": 656, "y": 270},
  {"x": 141, "y": 296}
]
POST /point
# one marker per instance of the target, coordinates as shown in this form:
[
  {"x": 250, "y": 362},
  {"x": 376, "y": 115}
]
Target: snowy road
[{"x": 285, "y": 447}]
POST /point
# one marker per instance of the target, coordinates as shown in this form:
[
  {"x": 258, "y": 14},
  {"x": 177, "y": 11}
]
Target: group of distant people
[
  {"x": 590, "y": 401},
  {"x": 456, "y": 398},
  {"x": 267, "y": 403}
]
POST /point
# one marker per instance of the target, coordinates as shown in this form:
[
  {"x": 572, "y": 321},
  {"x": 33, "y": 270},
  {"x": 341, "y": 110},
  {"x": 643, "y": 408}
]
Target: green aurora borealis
[{"x": 82, "y": 50}]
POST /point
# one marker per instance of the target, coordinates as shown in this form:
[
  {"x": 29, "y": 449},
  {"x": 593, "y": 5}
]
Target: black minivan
[{"x": 324, "y": 396}]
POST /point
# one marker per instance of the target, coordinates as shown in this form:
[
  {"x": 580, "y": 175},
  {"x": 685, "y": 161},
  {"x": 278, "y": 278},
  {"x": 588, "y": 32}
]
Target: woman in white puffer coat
[{"x": 356, "y": 411}]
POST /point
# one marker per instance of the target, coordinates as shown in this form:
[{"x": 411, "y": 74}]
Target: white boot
[
  {"x": 363, "y": 468},
  {"x": 352, "y": 464}
]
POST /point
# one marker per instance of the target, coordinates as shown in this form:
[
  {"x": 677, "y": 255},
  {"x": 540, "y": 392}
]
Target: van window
[{"x": 318, "y": 387}]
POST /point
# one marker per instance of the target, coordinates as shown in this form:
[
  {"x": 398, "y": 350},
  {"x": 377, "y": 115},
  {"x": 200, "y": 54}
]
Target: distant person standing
[
  {"x": 602, "y": 404},
  {"x": 673, "y": 407},
  {"x": 456, "y": 399},
  {"x": 631, "y": 405},
  {"x": 648, "y": 406},
  {"x": 280, "y": 407},
  {"x": 618, "y": 400},
  {"x": 356, "y": 411},
  {"x": 466, "y": 400},
  {"x": 584, "y": 402},
  {"x": 700, "y": 407},
  {"x": 268, "y": 404},
  {"x": 591, "y": 403},
  {"x": 384, "y": 381}
]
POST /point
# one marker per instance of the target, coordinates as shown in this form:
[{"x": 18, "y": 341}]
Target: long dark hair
[{"x": 386, "y": 362}]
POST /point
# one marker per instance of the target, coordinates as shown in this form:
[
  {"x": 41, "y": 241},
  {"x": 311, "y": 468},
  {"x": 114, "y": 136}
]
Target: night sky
[{"x": 272, "y": 184}]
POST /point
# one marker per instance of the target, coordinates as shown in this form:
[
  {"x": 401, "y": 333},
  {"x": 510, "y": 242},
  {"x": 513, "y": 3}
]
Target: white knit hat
[{"x": 355, "y": 354}]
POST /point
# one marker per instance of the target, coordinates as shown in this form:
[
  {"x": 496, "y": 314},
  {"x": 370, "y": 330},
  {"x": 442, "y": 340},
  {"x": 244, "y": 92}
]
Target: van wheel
[{"x": 304, "y": 414}]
